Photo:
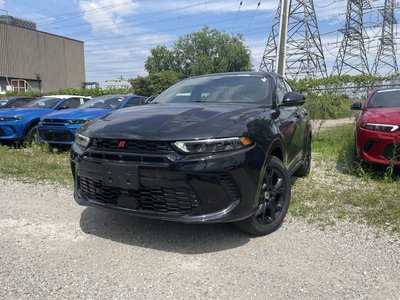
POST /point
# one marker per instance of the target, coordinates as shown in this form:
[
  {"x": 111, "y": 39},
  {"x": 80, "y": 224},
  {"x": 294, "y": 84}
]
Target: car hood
[
  {"x": 170, "y": 121},
  {"x": 79, "y": 113},
  {"x": 25, "y": 112},
  {"x": 383, "y": 115}
]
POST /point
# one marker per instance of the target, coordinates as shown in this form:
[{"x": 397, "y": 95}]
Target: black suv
[{"x": 213, "y": 148}]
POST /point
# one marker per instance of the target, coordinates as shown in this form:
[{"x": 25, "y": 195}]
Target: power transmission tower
[
  {"x": 304, "y": 54},
  {"x": 385, "y": 61},
  {"x": 352, "y": 56}
]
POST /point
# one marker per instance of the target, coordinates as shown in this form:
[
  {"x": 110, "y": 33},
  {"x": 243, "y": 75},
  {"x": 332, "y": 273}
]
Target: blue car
[
  {"x": 13, "y": 102},
  {"x": 18, "y": 124},
  {"x": 59, "y": 127}
]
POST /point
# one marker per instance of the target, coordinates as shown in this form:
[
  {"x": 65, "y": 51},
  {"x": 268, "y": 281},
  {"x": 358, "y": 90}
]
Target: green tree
[
  {"x": 161, "y": 59},
  {"x": 155, "y": 83},
  {"x": 206, "y": 51}
]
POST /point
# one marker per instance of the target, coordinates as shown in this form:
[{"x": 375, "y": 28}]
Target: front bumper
[
  {"x": 61, "y": 135},
  {"x": 378, "y": 147},
  {"x": 12, "y": 130},
  {"x": 208, "y": 189}
]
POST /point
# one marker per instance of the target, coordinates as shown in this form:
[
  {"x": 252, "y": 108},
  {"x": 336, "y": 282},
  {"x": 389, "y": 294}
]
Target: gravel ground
[{"x": 52, "y": 248}]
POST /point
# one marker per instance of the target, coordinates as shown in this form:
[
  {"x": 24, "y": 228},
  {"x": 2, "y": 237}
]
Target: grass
[
  {"x": 338, "y": 188},
  {"x": 34, "y": 164}
]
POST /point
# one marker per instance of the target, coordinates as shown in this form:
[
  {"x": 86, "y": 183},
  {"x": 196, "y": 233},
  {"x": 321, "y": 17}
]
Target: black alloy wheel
[{"x": 273, "y": 200}]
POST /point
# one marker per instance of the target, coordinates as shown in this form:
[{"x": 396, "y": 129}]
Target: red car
[{"x": 378, "y": 127}]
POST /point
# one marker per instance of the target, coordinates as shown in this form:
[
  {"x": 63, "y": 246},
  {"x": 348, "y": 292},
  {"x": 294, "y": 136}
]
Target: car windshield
[
  {"x": 388, "y": 98},
  {"x": 106, "y": 102},
  {"x": 218, "y": 88},
  {"x": 46, "y": 102},
  {"x": 3, "y": 102}
]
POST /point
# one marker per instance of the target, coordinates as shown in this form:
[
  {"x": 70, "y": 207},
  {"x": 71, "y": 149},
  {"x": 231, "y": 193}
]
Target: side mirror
[
  {"x": 356, "y": 106},
  {"x": 293, "y": 99},
  {"x": 63, "y": 107}
]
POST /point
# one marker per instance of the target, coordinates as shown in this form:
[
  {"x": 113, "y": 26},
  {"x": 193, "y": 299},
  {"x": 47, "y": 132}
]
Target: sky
[{"x": 119, "y": 34}]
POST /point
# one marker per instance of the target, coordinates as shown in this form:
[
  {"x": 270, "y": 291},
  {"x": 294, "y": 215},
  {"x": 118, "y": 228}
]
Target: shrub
[{"x": 327, "y": 106}]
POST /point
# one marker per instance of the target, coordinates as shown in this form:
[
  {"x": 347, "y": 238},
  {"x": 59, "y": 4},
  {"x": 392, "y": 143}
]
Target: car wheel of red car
[{"x": 273, "y": 201}]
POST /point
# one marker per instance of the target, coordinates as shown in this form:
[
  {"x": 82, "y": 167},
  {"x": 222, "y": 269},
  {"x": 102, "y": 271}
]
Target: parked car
[
  {"x": 21, "y": 123},
  {"x": 377, "y": 130},
  {"x": 213, "y": 148},
  {"x": 12, "y": 102},
  {"x": 59, "y": 127}
]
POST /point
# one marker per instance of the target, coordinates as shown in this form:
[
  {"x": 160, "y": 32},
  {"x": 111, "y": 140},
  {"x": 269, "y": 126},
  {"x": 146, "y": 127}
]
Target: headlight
[
  {"x": 380, "y": 127},
  {"x": 4, "y": 119},
  {"x": 82, "y": 140},
  {"x": 212, "y": 145},
  {"x": 77, "y": 121}
]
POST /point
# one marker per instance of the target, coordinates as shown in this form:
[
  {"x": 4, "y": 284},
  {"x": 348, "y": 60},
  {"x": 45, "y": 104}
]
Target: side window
[
  {"x": 71, "y": 103},
  {"x": 20, "y": 102},
  {"x": 280, "y": 90},
  {"x": 84, "y": 100},
  {"x": 134, "y": 102}
]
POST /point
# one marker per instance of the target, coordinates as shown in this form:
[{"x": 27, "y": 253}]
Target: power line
[
  {"x": 97, "y": 10},
  {"x": 144, "y": 17}
]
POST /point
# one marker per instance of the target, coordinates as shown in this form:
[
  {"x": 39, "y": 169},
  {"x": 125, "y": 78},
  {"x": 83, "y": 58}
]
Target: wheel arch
[
  {"x": 31, "y": 124},
  {"x": 276, "y": 149}
]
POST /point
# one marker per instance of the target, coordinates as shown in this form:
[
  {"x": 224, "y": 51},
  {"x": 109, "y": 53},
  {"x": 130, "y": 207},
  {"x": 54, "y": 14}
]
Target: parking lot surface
[{"x": 51, "y": 248}]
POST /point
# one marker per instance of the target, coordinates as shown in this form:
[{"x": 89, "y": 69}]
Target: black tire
[
  {"x": 305, "y": 168},
  {"x": 32, "y": 134},
  {"x": 273, "y": 201}
]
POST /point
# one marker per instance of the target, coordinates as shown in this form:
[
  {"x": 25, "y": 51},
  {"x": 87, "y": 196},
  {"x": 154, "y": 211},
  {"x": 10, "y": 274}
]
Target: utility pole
[
  {"x": 283, "y": 29},
  {"x": 352, "y": 56},
  {"x": 386, "y": 61},
  {"x": 300, "y": 37}
]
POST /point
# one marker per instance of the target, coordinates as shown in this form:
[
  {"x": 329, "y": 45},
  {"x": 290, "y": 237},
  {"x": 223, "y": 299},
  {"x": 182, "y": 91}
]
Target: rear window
[{"x": 389, "y": 98}]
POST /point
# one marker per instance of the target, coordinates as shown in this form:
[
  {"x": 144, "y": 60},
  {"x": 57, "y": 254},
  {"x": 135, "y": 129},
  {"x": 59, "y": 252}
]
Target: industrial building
[{"x": 36, "y": 60}]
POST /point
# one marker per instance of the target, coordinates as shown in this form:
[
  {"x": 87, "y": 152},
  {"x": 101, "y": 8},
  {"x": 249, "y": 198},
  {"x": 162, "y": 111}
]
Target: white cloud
[
  {"x": 126, "y": 57},
  {"x": 107, "y": 16}
]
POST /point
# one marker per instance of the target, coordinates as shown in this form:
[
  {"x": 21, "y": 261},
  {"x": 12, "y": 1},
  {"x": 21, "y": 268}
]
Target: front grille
[
  {"x": 228, "y": 183},
  {"x": 126, "y": 157},
  {"x": 56, "y": 135},
  {"x": 53, "y": 122},
  {"x": 132, "y": 145},
  {"x": 392, "y": 152},
  {"x": 171, "y": 200}
]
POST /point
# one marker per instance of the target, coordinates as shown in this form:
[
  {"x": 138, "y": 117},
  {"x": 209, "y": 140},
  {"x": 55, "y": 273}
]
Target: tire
[
  {"x": 32, "y": 134},
  {"x": 305, "y": 168},
  {"x": 274, "y": 201}
]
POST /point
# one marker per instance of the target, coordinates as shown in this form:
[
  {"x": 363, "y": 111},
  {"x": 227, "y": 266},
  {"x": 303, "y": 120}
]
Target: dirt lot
[{"x": 52, "y": 248}]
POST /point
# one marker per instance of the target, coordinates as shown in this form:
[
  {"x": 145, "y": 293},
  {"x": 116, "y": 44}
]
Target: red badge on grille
[{"x": 121, "y": 144}]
